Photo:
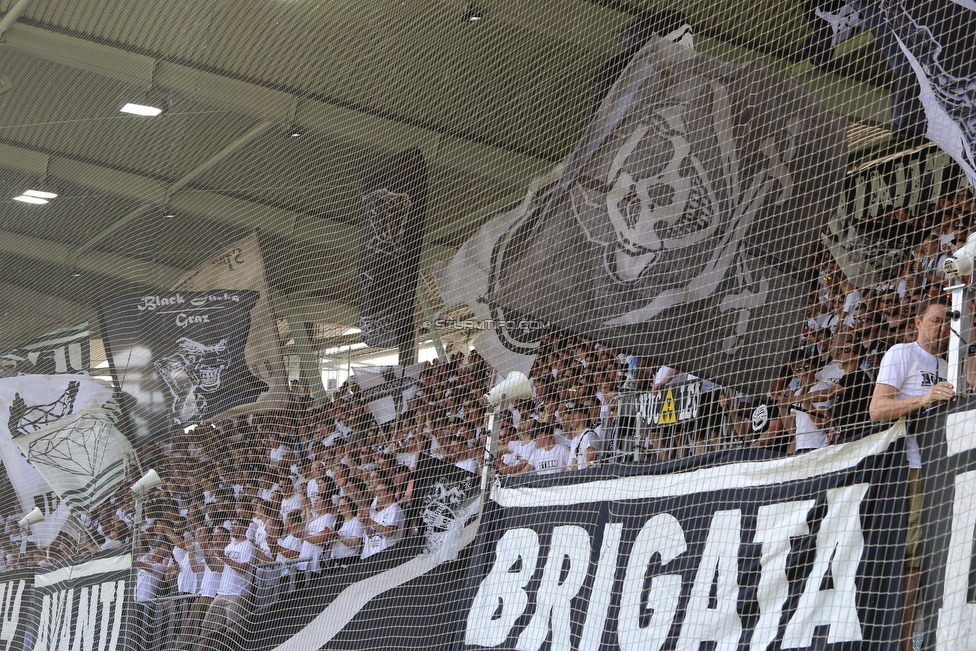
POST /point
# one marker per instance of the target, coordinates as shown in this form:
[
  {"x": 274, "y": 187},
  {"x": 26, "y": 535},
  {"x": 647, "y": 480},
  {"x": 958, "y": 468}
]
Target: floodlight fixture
[
  {"x": 141, "y": 109},
  {"x": 26, "y": 198}
]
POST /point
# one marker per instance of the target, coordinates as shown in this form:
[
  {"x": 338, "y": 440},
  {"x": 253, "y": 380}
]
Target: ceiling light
[
  {"x": 40, "y": 194},
  {"x": 474, "y": 14},
  {"x": 29, "y": 199},
  {"x": 141, "y": 109}
]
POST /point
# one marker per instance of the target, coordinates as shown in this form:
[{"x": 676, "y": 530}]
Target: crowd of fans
[{"x": 310, "y": 488}]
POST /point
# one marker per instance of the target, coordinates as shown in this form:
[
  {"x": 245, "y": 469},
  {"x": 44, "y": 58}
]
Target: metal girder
[
  {"x": 500, "y": 165},
  {"x": 98, "y": 262},
  {"x": 324, "y": 234},
  {"x": 179, "y": 184}
]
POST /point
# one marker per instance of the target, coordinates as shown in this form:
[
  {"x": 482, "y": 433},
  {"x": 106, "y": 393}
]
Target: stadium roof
[{"x": 274, "y": 108}]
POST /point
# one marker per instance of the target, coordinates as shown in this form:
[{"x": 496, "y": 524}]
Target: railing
[{"x": 172, "y": 621}]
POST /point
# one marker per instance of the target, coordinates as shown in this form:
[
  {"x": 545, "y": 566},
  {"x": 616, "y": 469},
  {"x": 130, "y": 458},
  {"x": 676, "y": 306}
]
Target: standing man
[
  {"x": 229, "y": 606},
  {"x": 912, "y": 378}
]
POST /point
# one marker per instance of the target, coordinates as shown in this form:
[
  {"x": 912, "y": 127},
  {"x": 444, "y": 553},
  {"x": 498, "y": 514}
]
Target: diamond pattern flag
[{"x": 83, "y": 457}]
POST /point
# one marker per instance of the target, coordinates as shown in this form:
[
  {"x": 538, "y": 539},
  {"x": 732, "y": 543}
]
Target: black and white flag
[
  {"x": 32, "y": 403},
  {"x": 680, "y": 228},
  {"x": 931, "y": 48},
  {"x": 67, "y": 350},
  {"x": 240, "y": 266},
  {"x": 82, "y": 457},
  {"x": 394, "y": 215},
  {"x": 868, "y": 247},
  {"x": 181, "y": 355}
]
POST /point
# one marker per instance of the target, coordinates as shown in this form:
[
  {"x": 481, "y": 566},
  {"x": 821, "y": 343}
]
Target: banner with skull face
[
  {"x": 682, "y": 225},
  {"x": 241, "y": 266},
  {"x": 181, "y": 357}
]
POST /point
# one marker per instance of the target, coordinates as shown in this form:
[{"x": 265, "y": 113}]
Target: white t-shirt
[
  {"x": 314, "y": 552},
  {"x": 517, "y": 451},
  {"x": 470, "y": 464},
  {"x": 350, "y": 529},
  {"x": 809, "y": 435},
  {"x": 851, "y": 301},
  {"x": 147, "y": 581},
  {"x": 291, "y": 543},
  {"x": 233, "y": 581},
  {"x": 912, "y": 371},
  {"x": 188, "y": 581},
  {"x": 377, "y": 542},
  {"x": 546, "y": 462},
  {"x": 209, "y": 582},
  {"x": 830, "y": 374},
  {"x": 293, "y": 502},
  {"x": 579, "y": 445}
]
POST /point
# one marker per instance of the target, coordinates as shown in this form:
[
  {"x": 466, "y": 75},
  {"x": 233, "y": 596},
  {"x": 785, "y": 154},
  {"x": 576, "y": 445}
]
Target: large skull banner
[{"x": 682, "y": 227}]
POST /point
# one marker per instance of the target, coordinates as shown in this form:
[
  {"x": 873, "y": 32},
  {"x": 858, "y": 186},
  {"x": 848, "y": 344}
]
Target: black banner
[
  {"x": 740, "y": 553},
  {"x": 15, "y": 598},
  {"x": 180, "y": 356},
  {"x": 681, "y": 227},
  {"x": 82, "y": 607},
  {"x": 394, "y": 216},
  {"x": 947, "y": 587}
]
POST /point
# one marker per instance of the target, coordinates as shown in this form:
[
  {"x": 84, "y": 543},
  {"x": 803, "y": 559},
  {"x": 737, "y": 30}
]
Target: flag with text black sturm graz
[
  {"x": 180, "y": 356},
  {"x": 394, "y": 215},
  {"x": 741, "y": 550},
  {"x": 681, "y": 227},
  {"x": 240, "y": 266}
]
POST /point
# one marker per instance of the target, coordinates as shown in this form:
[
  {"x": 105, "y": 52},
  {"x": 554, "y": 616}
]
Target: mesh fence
[{"x": 526, "y": 325}]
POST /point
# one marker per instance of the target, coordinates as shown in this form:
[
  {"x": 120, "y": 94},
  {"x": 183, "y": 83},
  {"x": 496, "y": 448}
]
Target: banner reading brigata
[{"x": 799, "y": 552}]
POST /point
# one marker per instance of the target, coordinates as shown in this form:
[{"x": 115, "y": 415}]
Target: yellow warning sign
[{"x": 668, "y": 414}]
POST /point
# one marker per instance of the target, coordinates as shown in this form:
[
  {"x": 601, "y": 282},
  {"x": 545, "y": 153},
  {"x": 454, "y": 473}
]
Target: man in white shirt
[
  {"x": 519, "y": 449},
  {"x": 229, "y": 605},
  {"x": 911, "y": 379},
  {"x": 584, "y": 443},
  {"x": 291, "y": 499},
  {"x": 317, "y": 534},
  {"x": 383, "y": 522},
  {"x": 548, "y": 457},
  {"x": 349, "y": 537}
]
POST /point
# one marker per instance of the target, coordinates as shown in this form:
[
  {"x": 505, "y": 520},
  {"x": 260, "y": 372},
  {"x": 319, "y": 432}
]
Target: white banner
[{"x": 83, "y": 457}]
